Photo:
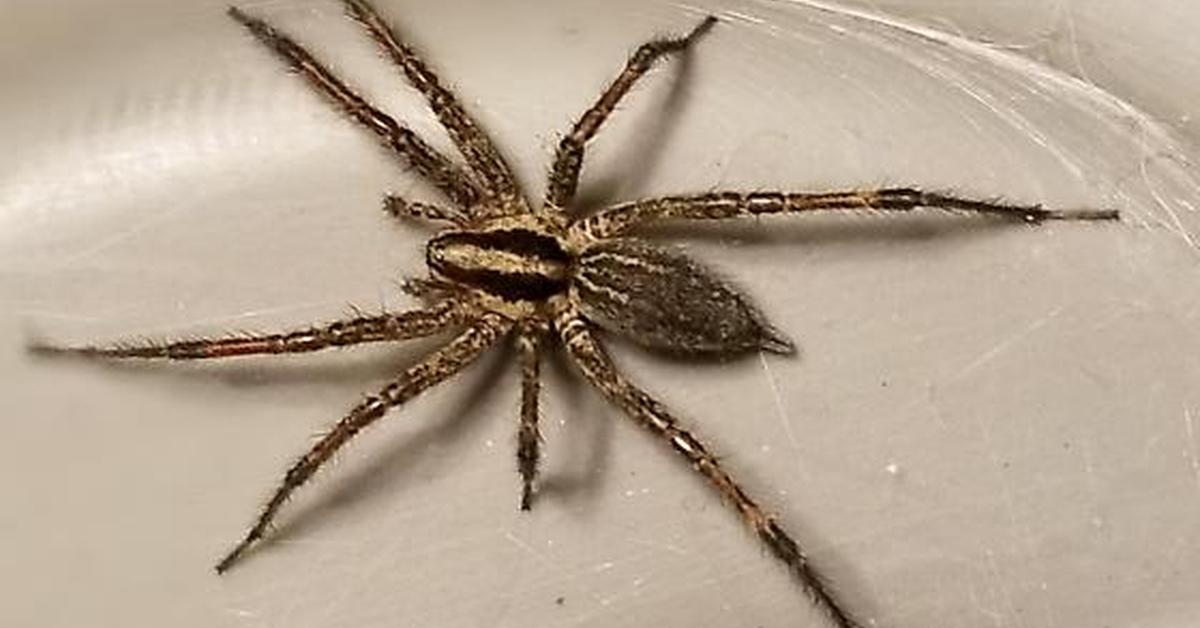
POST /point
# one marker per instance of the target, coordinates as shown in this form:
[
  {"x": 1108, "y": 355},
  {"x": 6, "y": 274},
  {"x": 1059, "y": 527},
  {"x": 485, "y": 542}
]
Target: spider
[{"x": 502, "y": 266}]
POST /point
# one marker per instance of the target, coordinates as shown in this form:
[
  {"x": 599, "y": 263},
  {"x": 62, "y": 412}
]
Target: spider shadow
[
  {"x": 827, "y": 558},
  {"x": 587, "y": 444},
  {"x": 651, "y": 136},
  {"x": 399, "y": 460}
]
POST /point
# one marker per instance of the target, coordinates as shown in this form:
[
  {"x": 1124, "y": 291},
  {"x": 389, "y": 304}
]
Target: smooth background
[{"x": 989, "y": 425}]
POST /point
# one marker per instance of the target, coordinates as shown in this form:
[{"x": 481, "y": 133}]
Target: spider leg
[
  {"x": 568, "y": 159},
  {"x": 434, "y": 369},
  {"x": 598, "y": 368},
  {"x": 476, "y": 147},
  {"x": 358, "y": 330},
  {"x": 529, "y": 344},
  {"x": 400, "y": 208},
  {"x": 456, "y": 184},
  {"x": 621, "y": 218},
  {"x": 429, "y": 289}
]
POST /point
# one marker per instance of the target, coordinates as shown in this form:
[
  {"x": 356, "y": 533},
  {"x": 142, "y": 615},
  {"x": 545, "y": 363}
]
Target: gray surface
[{"x": 989, "y": 426}]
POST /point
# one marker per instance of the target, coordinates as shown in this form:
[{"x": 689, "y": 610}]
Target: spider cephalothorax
[{"x": 504, "y": 267}]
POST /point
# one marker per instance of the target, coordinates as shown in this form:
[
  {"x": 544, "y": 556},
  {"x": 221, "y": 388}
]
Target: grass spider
[{"x": 502, "y": 266}]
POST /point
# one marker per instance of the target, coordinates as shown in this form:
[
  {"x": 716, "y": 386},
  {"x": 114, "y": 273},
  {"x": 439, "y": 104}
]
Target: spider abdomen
[
  {"x": 515, "y": 264},
  {"x": 664, "y": 299}
]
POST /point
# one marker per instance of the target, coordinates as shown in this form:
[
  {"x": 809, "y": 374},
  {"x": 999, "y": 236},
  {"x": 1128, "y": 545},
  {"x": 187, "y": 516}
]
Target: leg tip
[
  {"x": 1082, "y": 214},
  {"x": 233, "y": 556},
  {"x": 245, "y": 19},
  {"x": 228, "y": 561},
  {"x": 703, "y": 27},
  {"x": 39, "y": 349}
]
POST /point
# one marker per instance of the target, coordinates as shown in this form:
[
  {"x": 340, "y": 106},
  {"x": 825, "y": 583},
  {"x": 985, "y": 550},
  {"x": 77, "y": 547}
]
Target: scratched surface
[{"x": 988, "y": 426}]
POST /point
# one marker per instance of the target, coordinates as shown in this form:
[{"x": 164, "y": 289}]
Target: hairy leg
[
  {"x": 564, "y": 176},
  {"x": 400, "y": 208},
  {"x": 432, "y": 290},
  {"x": 620, "y": 219},
  {"x": 435, "y": 368},
  {"x": 529, "y": 345},
  {"x": 481, "y": 154},
  {"x": 359, "y": 330},
  {"x": 598, "y": 368},
  {"x": 455, "y": 183}
]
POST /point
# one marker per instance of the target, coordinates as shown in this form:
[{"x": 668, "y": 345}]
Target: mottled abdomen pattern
[{"x": 664, "y": 299}]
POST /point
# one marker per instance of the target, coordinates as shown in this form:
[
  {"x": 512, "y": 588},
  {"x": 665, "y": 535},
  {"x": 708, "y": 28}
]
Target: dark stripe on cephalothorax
[
  {"x": 521, "y": 242},
  {"x": 514, "y": 264},
  {"x": 510, "y": 286}
]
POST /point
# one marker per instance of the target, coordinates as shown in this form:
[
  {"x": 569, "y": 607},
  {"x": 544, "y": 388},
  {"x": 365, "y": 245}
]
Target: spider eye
[{"x": 435, "y": 251}]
